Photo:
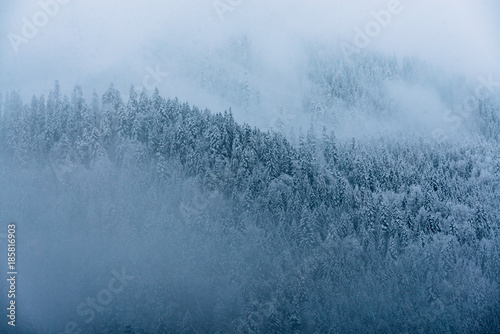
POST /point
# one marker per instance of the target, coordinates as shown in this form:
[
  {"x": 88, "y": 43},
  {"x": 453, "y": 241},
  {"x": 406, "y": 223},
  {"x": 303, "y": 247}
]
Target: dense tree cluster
[{"x": 397, "y": 234}]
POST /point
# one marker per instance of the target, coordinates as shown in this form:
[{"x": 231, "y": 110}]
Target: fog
[
  {"x": 262, "y": 45},
  {"x": 304, "y": 166}
]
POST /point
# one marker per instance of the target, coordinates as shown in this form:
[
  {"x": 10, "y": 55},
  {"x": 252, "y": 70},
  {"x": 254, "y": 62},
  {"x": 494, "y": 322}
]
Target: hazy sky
[{"x": 92, "y": 43}]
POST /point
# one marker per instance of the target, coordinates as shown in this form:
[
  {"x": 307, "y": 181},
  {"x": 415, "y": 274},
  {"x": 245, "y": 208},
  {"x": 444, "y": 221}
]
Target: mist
[
  {"x": 195, "y": 50},
  {"x": 232, "y": 166}
]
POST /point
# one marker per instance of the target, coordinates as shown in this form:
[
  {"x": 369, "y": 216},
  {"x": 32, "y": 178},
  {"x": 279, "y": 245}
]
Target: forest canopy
[{"x": 262, "y": 232}]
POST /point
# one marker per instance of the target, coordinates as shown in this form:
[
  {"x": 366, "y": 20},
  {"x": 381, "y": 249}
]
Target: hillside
[{"x": 235, "y": 229}]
